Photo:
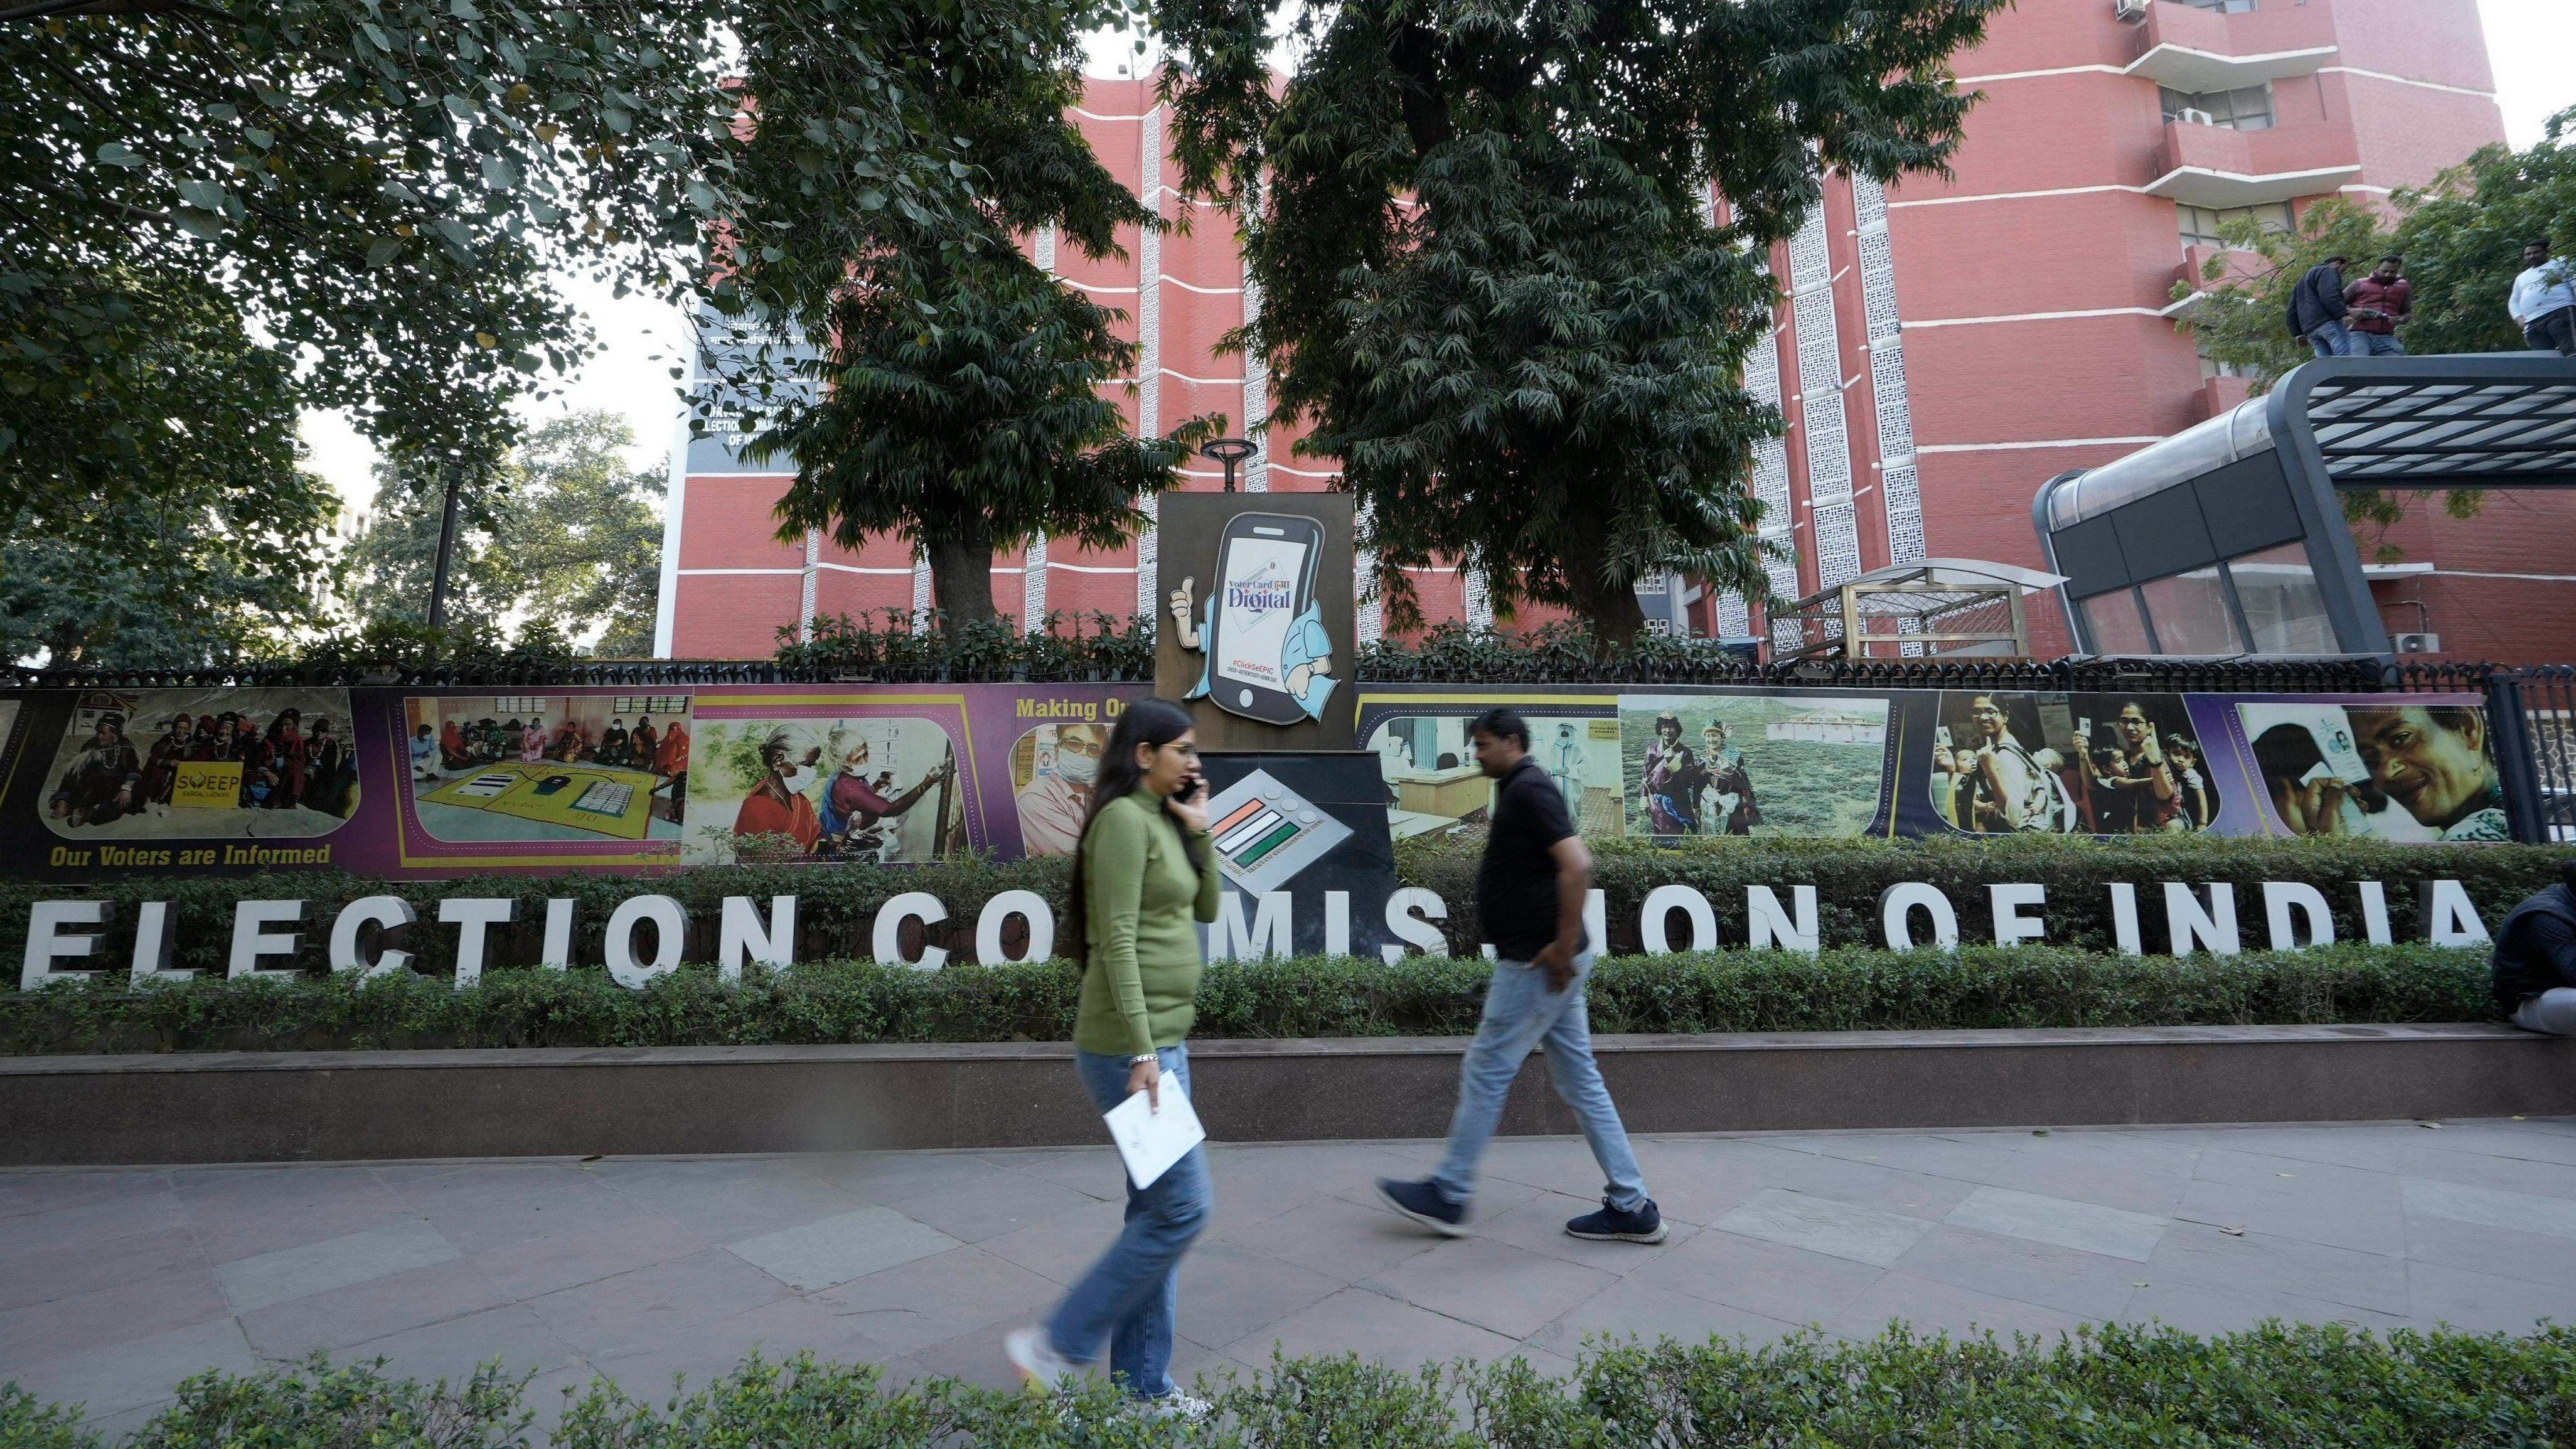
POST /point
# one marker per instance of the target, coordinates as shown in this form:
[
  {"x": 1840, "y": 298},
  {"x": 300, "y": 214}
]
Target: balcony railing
[
  {"x": 2215, "y": 166},
  {"x": 2190, "y": 49}
]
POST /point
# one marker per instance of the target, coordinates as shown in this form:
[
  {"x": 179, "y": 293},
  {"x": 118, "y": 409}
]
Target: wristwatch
[{"x": 1154, "y": 1057}]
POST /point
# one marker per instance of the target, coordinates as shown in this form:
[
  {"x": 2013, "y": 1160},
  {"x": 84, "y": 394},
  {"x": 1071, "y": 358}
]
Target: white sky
[{"x": 2532, "y": 44}]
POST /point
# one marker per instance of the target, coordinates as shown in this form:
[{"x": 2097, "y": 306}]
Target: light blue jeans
[
  {"x": 2377, "y": 344},
  {"x": 1132, "y": 1294},
  {"x": 2333, "y": 339},
  {"x": 1521, "y": 1015}
]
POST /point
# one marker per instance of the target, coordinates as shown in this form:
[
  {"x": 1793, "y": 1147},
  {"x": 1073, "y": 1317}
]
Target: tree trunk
[
  {"x": 1611, "y": 609},
  {"x": 961, "y": 573}
]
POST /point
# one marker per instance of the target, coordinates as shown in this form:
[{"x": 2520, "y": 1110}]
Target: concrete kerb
[{"x": 338, "y": 1106}]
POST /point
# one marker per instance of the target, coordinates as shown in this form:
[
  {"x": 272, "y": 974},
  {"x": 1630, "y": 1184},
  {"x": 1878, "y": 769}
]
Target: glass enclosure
[
  {"x": 2260, "y": 603},
  {"x": 2284, "y": 608}
]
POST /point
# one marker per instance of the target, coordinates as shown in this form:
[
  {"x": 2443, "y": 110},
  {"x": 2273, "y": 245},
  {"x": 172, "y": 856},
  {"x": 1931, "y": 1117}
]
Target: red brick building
[{"x": 1942, "y": 348}]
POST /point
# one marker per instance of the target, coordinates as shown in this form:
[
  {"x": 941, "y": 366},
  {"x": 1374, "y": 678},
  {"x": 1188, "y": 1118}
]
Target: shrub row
[
  {"x": 1847, "y": 989},
  {"x": 837, "y": 905},
  {"x": 2271, "y": 1386}
]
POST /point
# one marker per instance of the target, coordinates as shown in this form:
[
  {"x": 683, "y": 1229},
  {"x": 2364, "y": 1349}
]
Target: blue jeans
[
  {"x": 2333, "y": 339},
  {"x": 1133, "y": 1293},
  {"x": 1522, "y": 1014},
  {"x": 2377, "y": 344}
]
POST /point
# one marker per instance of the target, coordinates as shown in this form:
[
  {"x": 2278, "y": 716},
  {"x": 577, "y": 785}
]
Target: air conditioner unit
[
  {"x": 2419, "y": 643},
  {"x": 2129, "y": 9},
  {"x": 2190, "y": 117}
]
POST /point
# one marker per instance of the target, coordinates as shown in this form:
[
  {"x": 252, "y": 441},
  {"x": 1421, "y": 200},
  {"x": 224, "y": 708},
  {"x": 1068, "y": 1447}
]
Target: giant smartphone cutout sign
[
  {"x": 1257, "y": 590},
  {"x": 1268, "y": 657}
]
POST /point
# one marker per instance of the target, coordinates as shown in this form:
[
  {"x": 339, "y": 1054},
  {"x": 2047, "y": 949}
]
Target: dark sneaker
[
  {"x": 1426, "y": 1204},
  {"x": 1616, "y": 1225}
]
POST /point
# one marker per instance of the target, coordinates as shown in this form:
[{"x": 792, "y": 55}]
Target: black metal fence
[{"x": 2540, "y": 704}]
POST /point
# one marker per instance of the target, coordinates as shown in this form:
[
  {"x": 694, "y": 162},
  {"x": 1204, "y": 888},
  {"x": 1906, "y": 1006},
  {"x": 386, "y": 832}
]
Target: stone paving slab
[{"x": 117, "y": 1282}]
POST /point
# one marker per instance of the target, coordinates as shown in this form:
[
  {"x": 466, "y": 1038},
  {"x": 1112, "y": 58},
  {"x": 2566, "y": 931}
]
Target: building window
[
  {"x": 2246, "y": 108},
  {"x": 2189, "y": 613},
  {"x": 2283, "y": 606},
  {"x": 2200, "y": 224},
  {"x": 2223, "y": 7},
  {"x": 2211, "y": 367},
  {"x": 2112, "y": 619},
  {"x": 519, "y": 703}
]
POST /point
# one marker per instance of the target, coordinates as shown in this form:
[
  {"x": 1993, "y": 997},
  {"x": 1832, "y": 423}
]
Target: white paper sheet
[{"x": 1150, "y": 1141}]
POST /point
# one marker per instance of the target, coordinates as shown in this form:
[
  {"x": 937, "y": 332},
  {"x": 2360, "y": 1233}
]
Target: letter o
[
  {"x": 911, "y": 905},
  {"x": 670, "y": 924},
  {"x": 1898, "y": 901},
  {"x": 1660, "y": 904},
  {"x": 1003, "y": 906}
]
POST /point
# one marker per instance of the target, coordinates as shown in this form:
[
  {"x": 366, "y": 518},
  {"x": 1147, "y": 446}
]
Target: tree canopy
[
  {"x": 382, "y": 196},
  {"x": 1489, "y": 271},
  {"x": 205, "y": 554},
  {"x": 381, "y": 185},
  {"x": 955, "y": 398},
  {"x": 557, "y": 538},
  {"x": 964, "y": 410}
]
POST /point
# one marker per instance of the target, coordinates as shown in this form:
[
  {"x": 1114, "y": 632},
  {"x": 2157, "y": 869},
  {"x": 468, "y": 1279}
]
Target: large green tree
[
  {"x": 391, "y": 191},
  {"x": 955, "y": 398},
  {"x": 962, "y": 409},
  {"x": 554, "y": 540},
  {"x": 1488, "y": 273}
]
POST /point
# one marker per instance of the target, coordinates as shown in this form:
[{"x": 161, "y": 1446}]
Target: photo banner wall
[
  {"x": 424, "y": 783},
  {"x": 1676, "y": 763}
]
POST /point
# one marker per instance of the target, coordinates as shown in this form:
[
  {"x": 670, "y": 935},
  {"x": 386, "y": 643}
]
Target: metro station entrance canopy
[{"x": 2228, "y": 538}]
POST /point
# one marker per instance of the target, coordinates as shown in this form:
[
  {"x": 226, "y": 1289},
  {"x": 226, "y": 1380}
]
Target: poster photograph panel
[
  {"x": 2392, "y": 769},
  {"x": 875, "y": 788},
  {"x": 1053, "y": 768},
  {"x": 531, "y": 767},
  {"x": 1709, "y": 764},
  {"x": 1434, "y": 783},
  {"x": 2021, "y": 762},
  {"x": 181, "y": 764}
]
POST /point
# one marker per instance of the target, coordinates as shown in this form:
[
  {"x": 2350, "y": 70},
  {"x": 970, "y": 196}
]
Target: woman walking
[{"x": 1143, "y": 871}]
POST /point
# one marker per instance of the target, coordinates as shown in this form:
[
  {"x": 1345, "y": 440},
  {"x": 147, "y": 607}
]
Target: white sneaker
[
  {"x": 1041, "y": 1368},
  {"x": 1176, "y": 1407}
]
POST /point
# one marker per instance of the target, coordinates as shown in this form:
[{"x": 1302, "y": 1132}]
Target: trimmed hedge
[
  {"x": 1848, "y": 876},
  {"x": 2112, "y": 1385},
  {"x": 837, "y": 905},
  {"x": 855, "y": 1001}
]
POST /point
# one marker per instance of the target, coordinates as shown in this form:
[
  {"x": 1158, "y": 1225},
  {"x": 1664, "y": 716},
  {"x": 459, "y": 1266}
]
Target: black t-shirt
[
  {"x": 1516, "y": 882},
  {"x": 2535, "y": 948}
]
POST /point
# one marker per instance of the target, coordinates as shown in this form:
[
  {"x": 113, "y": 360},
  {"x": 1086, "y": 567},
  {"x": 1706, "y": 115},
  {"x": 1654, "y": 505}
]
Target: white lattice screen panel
[
  {"x": 1899, "y": 486},
  {"x": 1149, "y": 339}
]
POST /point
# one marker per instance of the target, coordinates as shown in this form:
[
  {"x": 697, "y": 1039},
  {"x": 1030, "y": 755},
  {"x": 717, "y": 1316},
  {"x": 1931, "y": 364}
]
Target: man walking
[
  {"x": 2317, "y": 310},
  {"x": 2379, "y": 303},
  {"x": 1530, "y": 893},
  {"x": 2543, "y": 303}
]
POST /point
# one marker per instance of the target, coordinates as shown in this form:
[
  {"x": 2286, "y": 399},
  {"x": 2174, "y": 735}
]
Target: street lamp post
[
  {"x": 1229, "y": 451},
  {"x": 446, "y": 549}
]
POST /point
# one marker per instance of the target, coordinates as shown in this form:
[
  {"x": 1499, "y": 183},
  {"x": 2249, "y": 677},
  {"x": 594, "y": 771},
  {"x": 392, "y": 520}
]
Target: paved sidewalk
[{"x": 116, "y": 1283}]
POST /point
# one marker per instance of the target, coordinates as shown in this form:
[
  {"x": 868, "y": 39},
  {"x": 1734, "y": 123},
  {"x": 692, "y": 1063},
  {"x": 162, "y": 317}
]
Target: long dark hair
[{"x": 1155, "y": 722}]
